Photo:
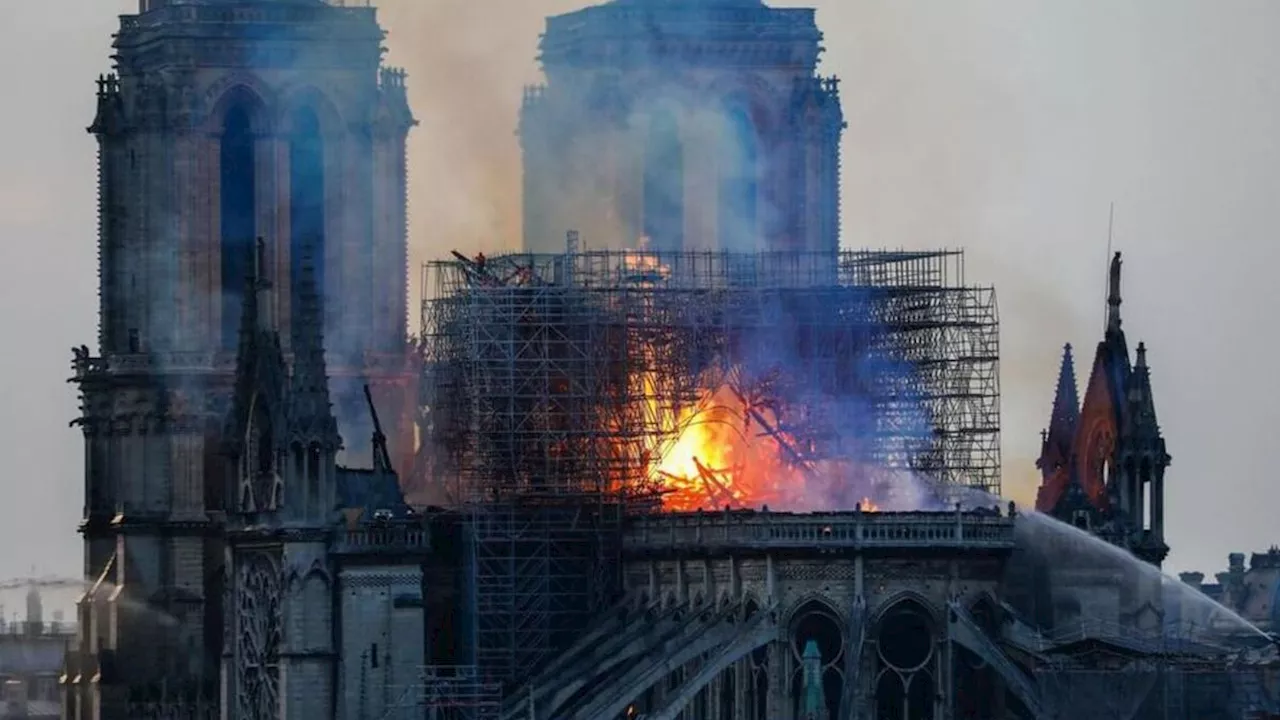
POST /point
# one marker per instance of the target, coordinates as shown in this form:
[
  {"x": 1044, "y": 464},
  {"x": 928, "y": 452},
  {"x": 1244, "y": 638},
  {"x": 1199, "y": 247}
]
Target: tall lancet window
[
  {"x": 739, "y": 162},
  {"x": 306, "y": 202},
  {"x": 237, "y": 211},
  {"x": 664, "y": 185}
]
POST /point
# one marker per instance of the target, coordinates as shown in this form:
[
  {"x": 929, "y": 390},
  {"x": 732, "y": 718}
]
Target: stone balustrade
[
  {"x": 846, "y": 531},
  {"x": 224, "y": 362},
  {"x": 383, "y": 540}
]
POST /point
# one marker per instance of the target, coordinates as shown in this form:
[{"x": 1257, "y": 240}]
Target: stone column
[
  {"x": 1157, "y": 503},
  {"x": 778, "y": 705}
]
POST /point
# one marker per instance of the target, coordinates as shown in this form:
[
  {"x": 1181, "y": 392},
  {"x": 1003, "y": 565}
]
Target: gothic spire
[
  {"x": 1066, "y": 402},
  {"x": 311, "y": 413},
  {"x": 1141, "y": 413},
  {"x": 1061, "y": 433},
  {"x": 260, "y": 369}
]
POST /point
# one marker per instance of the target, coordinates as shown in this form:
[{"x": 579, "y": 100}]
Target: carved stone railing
[
  {"x": 383, "y": 540},
  {"x": 849, "y": 530},
  {"x": 85, "y": 366}
]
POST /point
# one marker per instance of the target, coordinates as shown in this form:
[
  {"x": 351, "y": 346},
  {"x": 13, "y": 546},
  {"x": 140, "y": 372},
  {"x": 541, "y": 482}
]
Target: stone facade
[
  {"x": 682, "y": 126},
  {"x": 794, "y": 617},
  {"x": 221, "y": 125}
]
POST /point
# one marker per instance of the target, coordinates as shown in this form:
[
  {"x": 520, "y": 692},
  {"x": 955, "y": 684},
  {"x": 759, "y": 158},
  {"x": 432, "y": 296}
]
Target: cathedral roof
[{"x": 633, "y": 33}]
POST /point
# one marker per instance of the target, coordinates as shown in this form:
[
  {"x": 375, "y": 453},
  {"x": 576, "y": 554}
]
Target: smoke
[
  {"x": 589, "y": 142},
  {"x": 828, "y": 382},
  {"x": 465, "y": 74}
]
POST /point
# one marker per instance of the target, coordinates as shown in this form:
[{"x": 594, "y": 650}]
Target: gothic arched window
[
  {"x": 259, "y": 635},
  {"x": 258, "y": 469},
  {"x": 236, "y": 182},
  {"x": 737, "y": 220},
  {"x": 817, "y": 649},
  {"x": 664, "y": 184},
  {"x": 306, "y": 202},
  {"x": 905, "y": 683}
]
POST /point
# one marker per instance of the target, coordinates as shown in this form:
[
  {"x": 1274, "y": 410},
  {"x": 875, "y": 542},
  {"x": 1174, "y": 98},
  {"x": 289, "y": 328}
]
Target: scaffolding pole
[{"x": 446, "y": 692}]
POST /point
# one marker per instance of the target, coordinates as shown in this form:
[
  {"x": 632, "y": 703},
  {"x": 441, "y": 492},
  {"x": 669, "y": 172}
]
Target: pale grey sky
[{"x": 1004, "y": 126}]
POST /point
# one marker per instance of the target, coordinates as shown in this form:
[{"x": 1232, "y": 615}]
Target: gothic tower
[
  {"x": 1102, "y": 467},
  {"x": 224, "y": 121},
  {"x": 1103, "y": 462},
  {"x": 696, "y": 125}
]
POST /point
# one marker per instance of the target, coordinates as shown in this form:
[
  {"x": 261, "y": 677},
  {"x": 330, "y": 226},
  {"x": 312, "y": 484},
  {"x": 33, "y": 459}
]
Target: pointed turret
[
  {"x": 1144, "y": 448},
  {"x": 253, "y": 433},
  {"x": 1140, "y": 418},
  {"x": 1055, "y": 449},
  {"x": 311, "y": 419},
  {"x": 1058, "y": 440}
]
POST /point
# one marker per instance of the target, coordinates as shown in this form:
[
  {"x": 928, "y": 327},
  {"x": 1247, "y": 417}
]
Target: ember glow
[
  {"x": 728, "y": 451},
  {"x": 722, "y": 455},
  {"x": 728, "y": 448}
]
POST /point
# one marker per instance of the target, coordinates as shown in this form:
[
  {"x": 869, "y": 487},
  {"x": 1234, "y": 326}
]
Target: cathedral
[{"x": 257, "y": 424}]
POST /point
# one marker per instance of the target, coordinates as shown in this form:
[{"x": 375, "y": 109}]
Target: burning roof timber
[{"x": 798, "y": 380}]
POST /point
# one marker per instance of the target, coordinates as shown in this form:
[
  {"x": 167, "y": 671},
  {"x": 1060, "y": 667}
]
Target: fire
[
  {"x": 727, "y": 448},
  {"x": 643, "y": 268},
  {"x": 726, "y": 452}
]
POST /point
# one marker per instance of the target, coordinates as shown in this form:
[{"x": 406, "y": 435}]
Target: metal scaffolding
[
  {"x": 537, "y": 574},
  {"x": 554, "y": 383},
  {"x": 446, "y": 692},
  {"x": 560, "y": 374}
]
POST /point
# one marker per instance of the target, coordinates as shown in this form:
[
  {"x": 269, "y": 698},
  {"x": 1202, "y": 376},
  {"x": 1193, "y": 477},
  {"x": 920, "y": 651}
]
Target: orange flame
[
  {"x": 722, "y": 456},
  {"x": 724, "y": 450},
  {"x": 728, "y": 451}
]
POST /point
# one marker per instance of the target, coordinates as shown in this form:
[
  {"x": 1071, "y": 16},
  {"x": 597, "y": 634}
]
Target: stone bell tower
[
  {"x": 224, "y": 122},
  {"x": 691, "y": 125}
]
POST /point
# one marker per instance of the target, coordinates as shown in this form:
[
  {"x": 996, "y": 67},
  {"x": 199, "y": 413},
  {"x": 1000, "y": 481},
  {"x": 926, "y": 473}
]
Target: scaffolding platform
[{"x": 560, "y": 373}]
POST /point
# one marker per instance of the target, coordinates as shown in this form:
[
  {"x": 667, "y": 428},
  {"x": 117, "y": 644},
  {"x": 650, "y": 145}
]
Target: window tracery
[
  {"x": 258, "y": 638},
  {"x": 261, "y": 485},
  {"x": 905, "y": 684},
  {"x": 817, "y": 660}
]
